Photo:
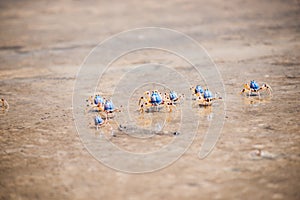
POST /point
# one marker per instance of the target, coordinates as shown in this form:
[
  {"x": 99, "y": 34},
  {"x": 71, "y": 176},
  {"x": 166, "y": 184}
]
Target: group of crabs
[{"x": 155, "y": 100}]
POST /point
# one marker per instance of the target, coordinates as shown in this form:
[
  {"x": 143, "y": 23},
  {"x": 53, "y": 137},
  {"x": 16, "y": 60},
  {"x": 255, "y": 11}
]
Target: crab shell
[
  {"x": 207, "y": 94},
  {"x": 173, "y": 95},
  {"x": 254, "y": 85},
  {"x": 98, "y": 120},
  {"x": 109, "y": 106},
  {"x": 98, "y": 100},
  {"x": 156, "y": 98}
]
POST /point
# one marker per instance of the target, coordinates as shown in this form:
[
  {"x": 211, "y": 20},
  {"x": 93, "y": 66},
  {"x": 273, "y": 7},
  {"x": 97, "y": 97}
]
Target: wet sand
[{"x": 42, "y": 47}]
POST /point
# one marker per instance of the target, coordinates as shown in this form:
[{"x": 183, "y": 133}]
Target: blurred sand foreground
[{"x": 42, "y": 46}]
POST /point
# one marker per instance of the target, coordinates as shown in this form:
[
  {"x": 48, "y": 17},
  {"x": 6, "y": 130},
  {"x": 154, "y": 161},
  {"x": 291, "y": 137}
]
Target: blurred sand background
[{"x": 43, "y": 43}]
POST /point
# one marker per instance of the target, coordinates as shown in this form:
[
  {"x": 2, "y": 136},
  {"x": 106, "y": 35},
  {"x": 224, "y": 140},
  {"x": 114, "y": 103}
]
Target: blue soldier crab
[
  {"x": 173, "y": 97},
  {"x": 254, "y": 89},
  {"x": 109, "y": 107},
  {"x": 154, "y": 100},
  {"x": 97, "y": 102},
  {"x": 206, "y": 99},
  {"x": 99, "y": 121},
  {"x": 197, "y": 91}
]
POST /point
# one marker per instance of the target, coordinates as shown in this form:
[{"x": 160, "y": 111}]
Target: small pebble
[
  {"x": 176, "y": 133},
  {"x": 258, "y": 153}
]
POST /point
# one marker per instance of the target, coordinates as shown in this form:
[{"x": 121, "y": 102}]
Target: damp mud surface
[{"x": 42, "y": 46}]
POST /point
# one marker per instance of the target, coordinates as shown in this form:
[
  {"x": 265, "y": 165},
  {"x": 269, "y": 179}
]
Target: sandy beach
[{"x": 44, "y": 43}]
